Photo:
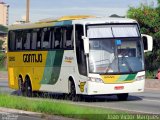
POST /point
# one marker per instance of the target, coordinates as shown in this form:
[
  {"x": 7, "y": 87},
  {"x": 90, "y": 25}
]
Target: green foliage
[
  {"x": 54, "y": 107},
  {"x": 148, "y": 18},
  {"x": 66, "y": 109},
  {"x": 3, "y": 28},
  {"x": 151, "y": 74},
  {"x": 115, "y": 15},
  {"x": 1, "y": 43}
]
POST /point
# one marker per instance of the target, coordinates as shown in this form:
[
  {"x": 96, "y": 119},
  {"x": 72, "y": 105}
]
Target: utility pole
[{"x": 27, "y": 10}]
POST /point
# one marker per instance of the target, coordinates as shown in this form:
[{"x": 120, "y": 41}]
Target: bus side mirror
[
  {"x": 147, "y": 42},
  {"x": 86, "y": 44}
]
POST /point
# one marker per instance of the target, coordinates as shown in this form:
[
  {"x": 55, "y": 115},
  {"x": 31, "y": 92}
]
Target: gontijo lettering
[{"x": 33, "y": 58}]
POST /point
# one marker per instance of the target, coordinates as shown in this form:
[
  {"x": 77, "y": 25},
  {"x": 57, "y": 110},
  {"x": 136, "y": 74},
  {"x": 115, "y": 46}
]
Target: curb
[
  {"x": 21, "y": 112},
  {"x": 42, "y": 116}
]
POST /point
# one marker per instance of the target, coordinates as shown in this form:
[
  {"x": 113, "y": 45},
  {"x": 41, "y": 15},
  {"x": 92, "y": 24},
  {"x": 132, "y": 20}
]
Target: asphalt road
[{"x": 147, "y": 102}]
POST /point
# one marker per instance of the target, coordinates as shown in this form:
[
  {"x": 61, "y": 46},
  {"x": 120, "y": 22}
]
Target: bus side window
[
  {"x": 46, "y": 38},
  {"x": 58, "y": 38},
  {"x": 12, "y": 38},
  {"x": 19, "y": 40},
  {"x": 34, "y": 39},
  {"x": 52, "y": 37},
  {"x": 26, "y": 40},
  {"x": 39, "y": 35},
  {"x": 68, "y": 37},
  {"x": 81, "y": 58}
]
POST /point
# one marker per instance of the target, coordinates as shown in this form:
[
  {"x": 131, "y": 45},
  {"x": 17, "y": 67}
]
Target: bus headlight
[
  {"x": 140, "y": 78},
  {"x": 95, "y": 80}
]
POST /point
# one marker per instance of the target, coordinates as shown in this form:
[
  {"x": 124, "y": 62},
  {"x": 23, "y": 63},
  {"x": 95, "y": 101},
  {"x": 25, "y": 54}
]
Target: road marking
[{"x": 151, "y": 100}]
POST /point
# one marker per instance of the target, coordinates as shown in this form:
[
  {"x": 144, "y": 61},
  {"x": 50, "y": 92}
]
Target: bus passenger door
[{"x": 81, "y": 58}]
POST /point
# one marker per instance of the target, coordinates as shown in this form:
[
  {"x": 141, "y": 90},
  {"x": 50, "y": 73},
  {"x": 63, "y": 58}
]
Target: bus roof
[
  {"x": 104, "y": 20},
  {"x": 68, "y": 20}
]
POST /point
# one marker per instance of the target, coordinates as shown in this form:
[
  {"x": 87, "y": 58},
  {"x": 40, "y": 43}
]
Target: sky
[{"x": 42, "y": 9}]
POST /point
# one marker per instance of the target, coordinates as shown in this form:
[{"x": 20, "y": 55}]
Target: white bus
[{"x": 78, "y": 55}]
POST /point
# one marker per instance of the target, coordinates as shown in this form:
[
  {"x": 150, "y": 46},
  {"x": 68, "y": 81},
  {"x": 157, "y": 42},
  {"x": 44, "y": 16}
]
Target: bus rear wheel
[
  {"x": 122, "y": 97},
  {"x": 28, "y": 88},
  {"x": 21, "y": 85}
]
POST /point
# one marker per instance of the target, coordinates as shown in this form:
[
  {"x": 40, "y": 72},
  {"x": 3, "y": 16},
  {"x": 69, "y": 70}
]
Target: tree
[
  {"x": 148, "y": 18},
  {"x": 3, "y": 28},
  {"x": 1, "y": 43},
  {"x": 115, "y": 15}
]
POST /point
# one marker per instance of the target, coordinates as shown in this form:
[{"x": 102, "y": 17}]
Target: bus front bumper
[{"x": 95, "y": 88}]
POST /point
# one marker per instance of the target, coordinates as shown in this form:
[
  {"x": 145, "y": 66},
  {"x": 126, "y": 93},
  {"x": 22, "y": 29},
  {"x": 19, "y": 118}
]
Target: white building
[{"x": 4, "y": 13}]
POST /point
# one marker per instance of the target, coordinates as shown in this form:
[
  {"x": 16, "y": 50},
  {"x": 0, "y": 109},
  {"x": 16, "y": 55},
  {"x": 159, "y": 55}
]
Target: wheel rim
[
  {"x": 73, "y": 90},
  {"x": 21, "y": 86},
  {"x": 28, "y": 89}
]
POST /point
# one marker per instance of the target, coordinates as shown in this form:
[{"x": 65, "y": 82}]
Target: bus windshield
[{"x": 115, "y": 49}]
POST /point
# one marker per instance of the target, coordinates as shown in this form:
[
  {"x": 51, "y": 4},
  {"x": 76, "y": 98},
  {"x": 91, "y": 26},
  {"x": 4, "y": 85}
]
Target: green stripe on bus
[
  {"x": 130, "y": 77},
  {"x": 122, "y": 78},
  {"x": 53, "y": 67}
]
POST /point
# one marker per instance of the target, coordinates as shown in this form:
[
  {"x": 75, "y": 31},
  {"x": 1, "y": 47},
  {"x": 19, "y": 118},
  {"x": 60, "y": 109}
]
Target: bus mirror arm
[{"x": 86, "y": 44}]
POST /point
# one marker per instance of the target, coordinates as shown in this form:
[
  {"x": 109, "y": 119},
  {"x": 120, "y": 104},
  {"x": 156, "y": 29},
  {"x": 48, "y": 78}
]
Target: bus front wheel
[
  {"x": 28, "y": 87},
  {"x": 122, "y": 97},
  {"x": 72, "y": 95}
]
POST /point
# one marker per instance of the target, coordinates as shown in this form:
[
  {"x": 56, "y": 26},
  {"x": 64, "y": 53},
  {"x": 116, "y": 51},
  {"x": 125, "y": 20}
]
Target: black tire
[
  {"x": 21, "y": 86},
  {"x": 72, "y": 95},
  {"x": 65, "y": 96},
  {"x": 28, "y": 88},
  {"x": 122, "y": 97}
]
